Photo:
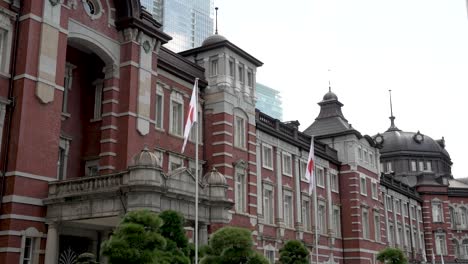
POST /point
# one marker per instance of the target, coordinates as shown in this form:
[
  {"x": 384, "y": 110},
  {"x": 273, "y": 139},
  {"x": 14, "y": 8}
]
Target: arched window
[{"x": 463, "y": 217}]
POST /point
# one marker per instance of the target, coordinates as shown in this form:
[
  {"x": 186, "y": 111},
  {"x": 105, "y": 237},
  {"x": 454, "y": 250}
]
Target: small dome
[
  {"x": 146, "y": 158},
  {"x": 330, "y": 96},
  {"x": 397, "y": 140},
  {"x": 213, "y": 39},
  {"x": 214, "y": 177}
]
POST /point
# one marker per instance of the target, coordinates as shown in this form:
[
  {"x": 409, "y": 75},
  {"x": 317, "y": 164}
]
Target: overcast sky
[{"x": 417, "y": 48}]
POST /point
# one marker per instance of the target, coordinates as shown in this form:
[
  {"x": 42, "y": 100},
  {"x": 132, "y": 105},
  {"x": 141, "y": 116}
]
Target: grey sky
[{"x": 417, "y": 48}]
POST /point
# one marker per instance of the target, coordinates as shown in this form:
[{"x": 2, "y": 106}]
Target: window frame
[
  {"x": 322, "y": 217},
  {"x": 264, "y": 163},
  {"x": 241, "y": 69},
  {"x": 336, "y": 220},
  {"x": 240, "y": 131},
  {"x": 268, "y": 204},
  {"x": 159, "y": 107},
  {"x": 98, "y": 93},
  {"x": 377, "y": 231},
  {"x": 176, "y": 100},
  {"x": 288, "y": 210},
  {"x": 6, "y": 37},
  {"x": 240, "y": 189},
  {"x": 285, "y": 155},
  {"x": 441, "y": 248},
  {"x": 440, "y": 214},
  {"x": 176, "y": 160},
  {"x": 334, "y": 182},
  {"x": 306, "y": 215},
  {"x": 413, "y": 166},
  {"x": 374, "y": 190},
  {"x": 363, "y": 185},
  {"x": 365, "y": 223},
  {"x": 320, "y": 177},
  {"x": 214, "y": 66}
]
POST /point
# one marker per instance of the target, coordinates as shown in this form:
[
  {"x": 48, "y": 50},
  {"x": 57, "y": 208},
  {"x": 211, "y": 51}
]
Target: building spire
[
  {"x": 392, "y": 118},
  {"x": 329, "y": 82},
  {"x": 216, "y": 28}
]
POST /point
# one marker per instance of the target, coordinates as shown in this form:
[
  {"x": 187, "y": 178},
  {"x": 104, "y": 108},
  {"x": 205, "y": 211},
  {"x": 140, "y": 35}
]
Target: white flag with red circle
[
  {"x": 192, "y": 114},
  {"x": 310, "y": 175}
]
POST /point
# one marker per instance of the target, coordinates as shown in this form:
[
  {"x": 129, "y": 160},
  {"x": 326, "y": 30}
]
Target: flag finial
[
  {"x": 392, "y": 118},
  {"x": 216, "y": 28}
]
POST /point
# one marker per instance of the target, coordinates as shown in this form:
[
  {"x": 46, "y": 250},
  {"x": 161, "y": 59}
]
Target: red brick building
[{"x": 92, "y": 108}]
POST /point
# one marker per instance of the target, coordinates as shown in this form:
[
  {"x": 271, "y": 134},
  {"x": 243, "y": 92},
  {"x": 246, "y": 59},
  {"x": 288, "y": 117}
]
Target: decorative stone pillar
[
  {"x": 279, "y": 190},
  {"x": 51, "y": 251},
  {"x": 259, "y": 181}
]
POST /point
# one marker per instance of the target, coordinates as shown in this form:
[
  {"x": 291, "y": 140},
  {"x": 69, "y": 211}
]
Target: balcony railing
[{"x": 86, "y": 184}]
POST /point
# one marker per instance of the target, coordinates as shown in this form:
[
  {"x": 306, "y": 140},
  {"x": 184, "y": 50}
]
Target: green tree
[
  {"x": 231, "y": 245},
  {"x": 294, "y": 252},
  {"x": 392, "y": 256},
  {"x": 86, "y": 258},
  {"x": 143, "y": 237}
]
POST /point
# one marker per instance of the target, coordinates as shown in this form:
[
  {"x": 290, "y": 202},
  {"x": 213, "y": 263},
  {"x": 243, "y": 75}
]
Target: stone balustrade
[{"x": 85, "y": 185}]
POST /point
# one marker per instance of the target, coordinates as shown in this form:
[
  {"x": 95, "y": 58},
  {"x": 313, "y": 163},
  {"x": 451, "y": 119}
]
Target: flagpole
[
  {"x": 196, "y": 179},
  {"x": 316, "y": 225}
]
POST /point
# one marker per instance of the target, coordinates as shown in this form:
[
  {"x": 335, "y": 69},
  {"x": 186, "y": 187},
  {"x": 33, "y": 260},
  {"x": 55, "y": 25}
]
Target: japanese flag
[
  {"x": 310, "y": 175},
  {"x": 192, "y": 114}
]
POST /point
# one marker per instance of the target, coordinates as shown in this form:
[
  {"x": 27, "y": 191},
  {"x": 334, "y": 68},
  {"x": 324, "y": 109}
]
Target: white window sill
[
  {"x": 175, "y": 135},
  {"x": 268, "y": 168},
  {"x": 287, "y": 174},
  {"x": 159, "y": 129},
  {"x": 95, "y": 120},
  {"x": 4, "y": 74},
  {"x": 65, "y": 116}
]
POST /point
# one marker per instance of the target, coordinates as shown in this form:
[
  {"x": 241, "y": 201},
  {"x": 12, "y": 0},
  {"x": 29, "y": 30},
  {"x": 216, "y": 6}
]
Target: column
[
  {"x": 203, "y": 234},
  {"x": 279, "y": 189},
  {"x": 259, "y": 181},
  {"x": 51, "y": 250},
  {"x": 297, "y": 183},
  {"x": 387, "y": 227}
]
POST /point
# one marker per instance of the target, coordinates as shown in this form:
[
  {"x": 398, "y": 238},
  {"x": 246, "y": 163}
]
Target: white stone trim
[
  {"x": 102, "y": 154},
  {"x": 10, "y": 249},
  {"x": 222, "y": 154},
  {"x": 221, "y": 143},
  {"x": 30, "y": 176},
  {"x": 222, "y": 123},
  {"x": 22, "y": 200},
  {"x": 110, "y": 101},
  {"x": 222, "y": 133},
  {"x": 23, "y": 217},
  {"x": 108, "y": 140},
  {"x": 111, "y": 88},
  {"x": 109, "y": 127}
]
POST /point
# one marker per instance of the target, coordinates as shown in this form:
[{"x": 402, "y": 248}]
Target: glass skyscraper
[
  {"x": 269, "y": 101},
  {"x": 188, "y": 22}
]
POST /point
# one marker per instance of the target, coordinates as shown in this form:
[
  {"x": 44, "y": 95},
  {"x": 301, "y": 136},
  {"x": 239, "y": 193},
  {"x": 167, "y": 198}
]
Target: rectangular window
[
  {"x": 232, "y": 68},
  {"x": 428, "y": 166},
  {"x": 249, "y": 78},
  {"x": 371, "y": 159},
  {"x": 366, "y": 157},
  {"x": 320, "y": 174},
  {"x": 64, "y": 146},
  {"x": 175, "y": 162},
  {"x": 28, "y": 251},
  {"x": 159, "y": 107},
  {"x": 239, "y": 137},
  {"x": 400, "y": 236},
  {"x": 413, "y": 166},
  {"x": 241, "y": 73},
  {"x": 407, "y": 236},
  {"x": 98, "y": 84},
  {"x": 240, "y": 191},
  {"x": 397, "y": 206},
  {"x": 268, "y": 205},
  {"x": 421, "y": 166},
  {"x": 365, "y": 224},
  {"x": 413, "y": 212},
  {"x": 360, "y": 153},
  {"x": 92, "y": 167},
  {"x": 288, "y": 209},
  {"x": 389, "y": 204},
  {"x": 377, "y": 226},
  {"x": 177, "y": 118},
  {"x": 322, "y": 219},
  {"x": 441, "y": 246},
  {"x": 437, "y": 212},
  {"x": 363, "y": 185},
  {"x": 303, "y": 167},
  {"x": 306, "y": 214},
  {"x": 405, "y": 210},
  {"x": 389, "y": 167},
  {"x": 391, "y": 234},
  {"x": 67, "y": 84},
  {"x": 3, "y": 50},
  {"x": 214, "y": 67},
  {"x": 336, "y": 221},
  {"x": 267, "y": 156},
  {"x": 419, "y": 215},
  {"x": 334, "y": 182},
  {"x": 374, "y": 190},
  {"x": 287, "y": 164},
  {"x": 270, "y": 256}
]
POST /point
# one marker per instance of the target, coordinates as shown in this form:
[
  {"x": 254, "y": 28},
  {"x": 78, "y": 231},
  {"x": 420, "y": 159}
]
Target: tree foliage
[
  {"x": 143, "y": 237},
  {"x": 231, "y": 245},
  {"x": 392, "y": 256},
  {"x": 294, "y": 252}
]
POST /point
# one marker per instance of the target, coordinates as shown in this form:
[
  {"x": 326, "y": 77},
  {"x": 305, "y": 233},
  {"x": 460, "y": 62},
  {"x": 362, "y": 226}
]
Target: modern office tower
[
  {"x": 188, "y": 22},
  {"x": 269, "y": 101}
]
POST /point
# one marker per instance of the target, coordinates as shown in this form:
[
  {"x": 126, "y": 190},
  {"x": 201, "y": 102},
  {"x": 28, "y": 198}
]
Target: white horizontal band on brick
[
  {"x": 252, "y": 163},
  {"x": 22, "y": 200},
  {"x": 221, "y": 133},
  {"x": 252, "y": 133},
  {"x": 252, "y": 152},
  {"x": 108, "y": 140},
  {"x": 222, "y": 143},
  {"x": 10, "y": 249},
  {"x": 30, "y": 176},
  {"x": 111, "y": 88},
  {"x": 106, "y": 168},
  {"x": 103, "y": 154},
  {"x": 222, "y": 165},
  {"x": 222, "y": 123},
  {"x": 222, "y": 154},
  {"x": 16, "y": 233},
  {"x": 128, "y": 63},
  {"x": 22, "y": 217},
  {"x": 36, "y": 79},
  {"x": 253, "y": 205},
  {"x": 31, "y": 16},
  {"x": 252, "y": 143},
  {"x": 253, "y": 184},
  {"x": 253, "y": 173},
  {"x": 110, "y": 101},
  {"x": 109, "y": 127}
]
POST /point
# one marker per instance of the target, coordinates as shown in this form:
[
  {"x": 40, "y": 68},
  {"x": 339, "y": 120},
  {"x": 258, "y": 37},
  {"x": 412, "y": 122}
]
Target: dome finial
[
  {"x": 329, "y": 82},
  {"x": 216, "y": 28},
  {"x": 392, "y": 118}
]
